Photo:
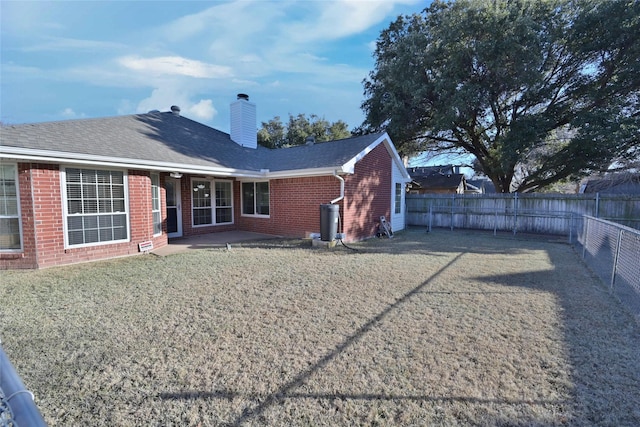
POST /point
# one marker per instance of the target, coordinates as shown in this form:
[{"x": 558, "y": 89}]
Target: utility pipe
[{"x": 335, "y": 173}]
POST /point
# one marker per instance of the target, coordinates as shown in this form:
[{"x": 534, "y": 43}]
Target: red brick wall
[
  {"x": 42, "y": 221},
  {"x": 294, "y": 206},
  {"x": 368, "y": 194},
  {"x": 295, "y": 202}
]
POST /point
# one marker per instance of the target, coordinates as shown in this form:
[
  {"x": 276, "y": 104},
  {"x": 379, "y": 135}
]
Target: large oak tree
[
  {"x": 275, "y": 134},
  {"x": 538, "y": 91}
]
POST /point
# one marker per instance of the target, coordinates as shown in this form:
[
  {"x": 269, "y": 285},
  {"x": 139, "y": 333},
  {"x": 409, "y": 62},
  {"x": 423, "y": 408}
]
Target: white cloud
[
  {"x": 175, "y": 65},
  {"x": 227, "y": 20},
  {"x": 71, "y": 44},
  {"x": 162, "y": 98},
  {"x": 263, "y": 39},
  {"x": 68, "y": 113},
  {"x": 300, "y": 51},
  {"x": 343, "y": 18},
  {"x": 203, "y": 110}
]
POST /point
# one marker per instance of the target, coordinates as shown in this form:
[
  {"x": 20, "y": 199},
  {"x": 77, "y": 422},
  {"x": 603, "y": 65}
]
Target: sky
[{"x": 63, "y": 60}]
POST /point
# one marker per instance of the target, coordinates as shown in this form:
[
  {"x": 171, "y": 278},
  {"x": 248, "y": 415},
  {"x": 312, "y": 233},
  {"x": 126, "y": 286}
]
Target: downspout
[
  {"x": 337, "y": 199},
  {"x": 335, "y": 173},
  {"x": 34, "y": 214}
]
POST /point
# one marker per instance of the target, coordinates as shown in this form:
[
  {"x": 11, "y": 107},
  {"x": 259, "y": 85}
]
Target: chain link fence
[
  {"x": 612, "y": 251},
  {"x": 17, "y": 408}
]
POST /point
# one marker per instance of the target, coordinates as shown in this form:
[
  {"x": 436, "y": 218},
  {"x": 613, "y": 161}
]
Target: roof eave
[
  {"x": 18, "y": 154},
  {"x": 386, "y": 140}
]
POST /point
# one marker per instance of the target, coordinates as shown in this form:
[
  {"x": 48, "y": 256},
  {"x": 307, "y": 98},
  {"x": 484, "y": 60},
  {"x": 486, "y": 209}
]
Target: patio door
[{"x": 174, "y": 208}]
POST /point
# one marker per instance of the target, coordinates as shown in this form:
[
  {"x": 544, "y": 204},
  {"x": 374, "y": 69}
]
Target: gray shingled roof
[
  {"x": 168, "y": 138},
  {"x": 319, "y": 155},
  {"x": 622, "y": 183},
  {"x": 450, "y": 181}
]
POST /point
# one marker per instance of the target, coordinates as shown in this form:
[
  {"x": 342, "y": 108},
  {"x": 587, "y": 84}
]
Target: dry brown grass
[{"x": 446, "y": 328}]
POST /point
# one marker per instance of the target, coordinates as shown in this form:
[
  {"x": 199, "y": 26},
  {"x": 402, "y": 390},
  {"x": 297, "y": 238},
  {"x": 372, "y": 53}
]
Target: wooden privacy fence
[{"x": 559, "y": 214}]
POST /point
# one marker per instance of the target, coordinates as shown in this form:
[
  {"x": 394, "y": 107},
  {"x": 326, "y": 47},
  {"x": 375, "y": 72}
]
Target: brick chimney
[{"x": 243, "y": 122}]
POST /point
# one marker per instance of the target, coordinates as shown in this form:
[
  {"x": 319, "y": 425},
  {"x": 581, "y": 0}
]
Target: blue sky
[{"x": 79, "y": 59}]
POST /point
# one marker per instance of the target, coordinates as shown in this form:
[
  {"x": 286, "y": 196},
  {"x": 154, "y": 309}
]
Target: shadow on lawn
[{"x": 602, "y": 341}]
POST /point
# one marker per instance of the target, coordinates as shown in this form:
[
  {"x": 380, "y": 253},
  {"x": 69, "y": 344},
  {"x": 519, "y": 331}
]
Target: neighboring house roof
[
  {"x": 432, "y": 178},
  {"x": 483, "y": 185},
  {"x": 432, "y": 182},
  {"x": 626, "y": 183},
  {"x": 432, "y": 170},
  {"x": 166, "y": 141}
]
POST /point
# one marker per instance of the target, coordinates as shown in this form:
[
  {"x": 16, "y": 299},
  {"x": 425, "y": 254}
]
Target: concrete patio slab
[{"x": 209, "y": 241}]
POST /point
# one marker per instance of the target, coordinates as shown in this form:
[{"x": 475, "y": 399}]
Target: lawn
[{"x": 443, "y": 328}]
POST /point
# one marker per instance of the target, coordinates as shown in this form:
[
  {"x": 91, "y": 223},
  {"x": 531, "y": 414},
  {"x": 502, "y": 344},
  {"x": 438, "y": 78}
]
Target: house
[
  {"x": 83, "y": 190},
  {"x": 620, "y": 183},
  {"x": 483, "y": 185},
  {"x": 436, "y": 179}
]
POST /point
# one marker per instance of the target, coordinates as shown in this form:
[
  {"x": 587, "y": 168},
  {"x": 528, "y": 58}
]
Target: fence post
[
  {"x": 614, "y": 270},
  {"x": 453, "y": 201},
  {"x": 596, "y": 214},
  {"x": 585, "y": 231},
  {"x": 430, "y": 214},
  {"x": 570, "y": 227},
  {"x": 515, "y": 213}
]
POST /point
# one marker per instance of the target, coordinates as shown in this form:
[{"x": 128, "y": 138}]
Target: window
[
  {"x": 398, "y": 198},
  {"x": 155, "y": 204},
  {"x": 224, "y": 199},
  {"x": 10, "y": 235},
  {"x": 96, "y": 206},
  {"x": 255, "y": 198},
  {"x": 201, "y": 202},
  {"x": 212, "y": 209}
]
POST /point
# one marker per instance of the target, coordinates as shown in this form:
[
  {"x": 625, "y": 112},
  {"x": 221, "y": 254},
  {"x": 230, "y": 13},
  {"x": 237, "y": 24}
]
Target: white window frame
[
  {"x": 256, "y": 215},
  {"x": 397, "y": 204},
  {"x": 18, "y": 214},
  {"x": 65, "y": 206},
  {"x": 214, "y": 207},
  {"x": 155, "y": 188}
]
